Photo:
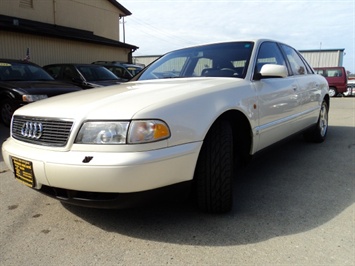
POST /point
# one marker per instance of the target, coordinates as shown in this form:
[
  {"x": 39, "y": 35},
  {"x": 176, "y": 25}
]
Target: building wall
[
  {"x": 326, "y": 58},
  {"x": 98, "y": 16},
  {"x": 45, "y": 50},
  {"x": 36, "y": 10}
]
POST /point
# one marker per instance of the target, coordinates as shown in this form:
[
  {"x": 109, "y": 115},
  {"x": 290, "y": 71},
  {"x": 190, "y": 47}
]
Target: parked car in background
[
  {"x": 351, "y": 88},
  {"x": 186, "y": 124},
  {"x": 86, "y": 76},
  {"x": 23, "y": 82},
  {"x": 336, "y": 77},
  {"x": 124, "y": 71}
]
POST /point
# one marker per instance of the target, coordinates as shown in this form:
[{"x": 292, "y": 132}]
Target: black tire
[
  {"x": 6, "y": 111},
  {"x": 214, "y": 171},
  {"x": 318, "y": 133}
]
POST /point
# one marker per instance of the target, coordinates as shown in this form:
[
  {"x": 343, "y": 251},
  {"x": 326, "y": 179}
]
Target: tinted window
[
  {"x": 22, "y": 72},
  {"x": 134, "y": 70},
  {"x": 269, "y": 53},
  {"x": 330, "y": 72},
  {"x": 54, "y": 71},
  {"x": 92, "y": 73},
  {"x": 118, "y": 71},
  {"x": 296, "y": 63},
  {"x": 69, "y": 73}
]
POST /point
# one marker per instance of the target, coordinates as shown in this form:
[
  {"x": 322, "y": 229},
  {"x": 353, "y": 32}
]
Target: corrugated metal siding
[
  {"x": 26, "y": 3},
  {"x": 44, "y": 50},
  {"x": 98, "y": 16},
  {"x": 322, "y": 58}
]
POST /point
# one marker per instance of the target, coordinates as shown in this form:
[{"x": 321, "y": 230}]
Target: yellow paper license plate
[{"x": 23, "y": 171}]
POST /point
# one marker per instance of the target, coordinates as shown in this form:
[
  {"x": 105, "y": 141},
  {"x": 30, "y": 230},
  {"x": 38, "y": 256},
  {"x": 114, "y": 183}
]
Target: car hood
[
  {"x": 126, "y": 100},
  {"x": 49, "y": 88}
]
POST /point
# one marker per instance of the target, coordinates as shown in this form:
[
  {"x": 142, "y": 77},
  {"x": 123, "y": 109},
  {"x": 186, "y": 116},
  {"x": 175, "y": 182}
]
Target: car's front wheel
[
  {"x": 319, "y": 132},
  {"x": 6, "y": 111},
  {"x": 214, "y": 171}
]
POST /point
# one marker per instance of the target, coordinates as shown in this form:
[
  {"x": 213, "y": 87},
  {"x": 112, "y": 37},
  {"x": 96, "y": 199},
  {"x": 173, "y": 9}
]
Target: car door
[
  {"x": 308, "y": 91},
  {"x": 277, "y": 103}
]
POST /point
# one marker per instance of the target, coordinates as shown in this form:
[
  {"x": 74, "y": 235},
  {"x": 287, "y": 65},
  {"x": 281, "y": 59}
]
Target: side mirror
[{"x": 271, "y": 71}]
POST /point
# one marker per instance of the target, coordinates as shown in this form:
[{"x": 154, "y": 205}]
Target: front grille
[{"x": 41, "y": 131}]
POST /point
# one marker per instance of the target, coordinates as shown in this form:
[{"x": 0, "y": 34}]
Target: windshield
[
  {"x": 22, "y": 72},
  {"x": 96, "y": 73},
  {"x": 134, "y": 70},
  {"x": 216, "y": 60}
]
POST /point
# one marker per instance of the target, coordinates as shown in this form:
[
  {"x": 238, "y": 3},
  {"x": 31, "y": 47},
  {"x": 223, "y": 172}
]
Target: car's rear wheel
[
  {"x": 214, "y": 171},
  {"x": 332, "y": 92},
  {"x": 318, "y": 133},
  {"x": 6, "y": 111}
]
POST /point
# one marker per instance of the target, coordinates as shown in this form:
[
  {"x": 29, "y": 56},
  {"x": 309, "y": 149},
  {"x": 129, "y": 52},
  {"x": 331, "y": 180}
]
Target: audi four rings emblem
[{"x": 32, "y": 130}]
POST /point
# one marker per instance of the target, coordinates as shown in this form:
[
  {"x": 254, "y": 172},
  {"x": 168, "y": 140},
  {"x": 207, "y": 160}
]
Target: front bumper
[
  {"x": 102, "y": 200},
  {"x": 106, "y": 172}
]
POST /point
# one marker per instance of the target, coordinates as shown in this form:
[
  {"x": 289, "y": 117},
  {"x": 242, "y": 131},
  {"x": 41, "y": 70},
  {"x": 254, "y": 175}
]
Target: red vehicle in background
[{"x": 336, "y": 77}]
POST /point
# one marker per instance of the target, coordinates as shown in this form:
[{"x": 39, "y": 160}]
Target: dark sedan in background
[
  {"x": 23, "y": 82},
  {"x": 125, "y": 71},
  {"x": 86, "y": 76}
]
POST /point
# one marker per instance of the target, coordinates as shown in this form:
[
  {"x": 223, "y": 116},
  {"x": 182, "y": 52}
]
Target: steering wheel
[{"x": 231, "y": 71}]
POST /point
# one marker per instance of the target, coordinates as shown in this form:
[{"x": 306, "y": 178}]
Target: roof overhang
[
  {"x": 14, "y": 24},
  {"x": 121, "y": 8},
  {"x": 322, "y": 50}
]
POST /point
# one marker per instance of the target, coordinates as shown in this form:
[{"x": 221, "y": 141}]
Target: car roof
[
  {"x": 6, "y": 60},
  {"x": 121, "y": 65},
  {"x": 256, "y": 41},
  {"x": 114, "y": 63},
  {"x": 74, "y": 64},
  {"x": 108, "y": 62}
]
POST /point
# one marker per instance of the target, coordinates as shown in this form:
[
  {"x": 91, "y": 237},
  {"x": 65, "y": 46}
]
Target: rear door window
[{"x": 296, "y": 63}]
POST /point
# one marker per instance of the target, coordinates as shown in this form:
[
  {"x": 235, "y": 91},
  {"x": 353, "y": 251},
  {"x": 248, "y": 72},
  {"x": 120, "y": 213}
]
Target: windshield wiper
[{"x": 173, "y": 77}]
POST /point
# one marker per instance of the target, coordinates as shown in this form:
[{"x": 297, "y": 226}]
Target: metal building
[
  {"x": 324, "y": 57},
  {"x": 72, "y": 31}
]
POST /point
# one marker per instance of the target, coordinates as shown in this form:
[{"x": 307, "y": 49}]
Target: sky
[{"x": 158, "y": 26}]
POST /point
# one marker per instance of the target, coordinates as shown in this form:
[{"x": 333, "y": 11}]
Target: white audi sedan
[{"x": 184, "y": 126}]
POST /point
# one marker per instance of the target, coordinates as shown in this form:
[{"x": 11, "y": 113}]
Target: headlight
[
  {"x": 32, "y": 98},
  {"x": 103, "y": 133},
  {"x": 112, "y": 132}
]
